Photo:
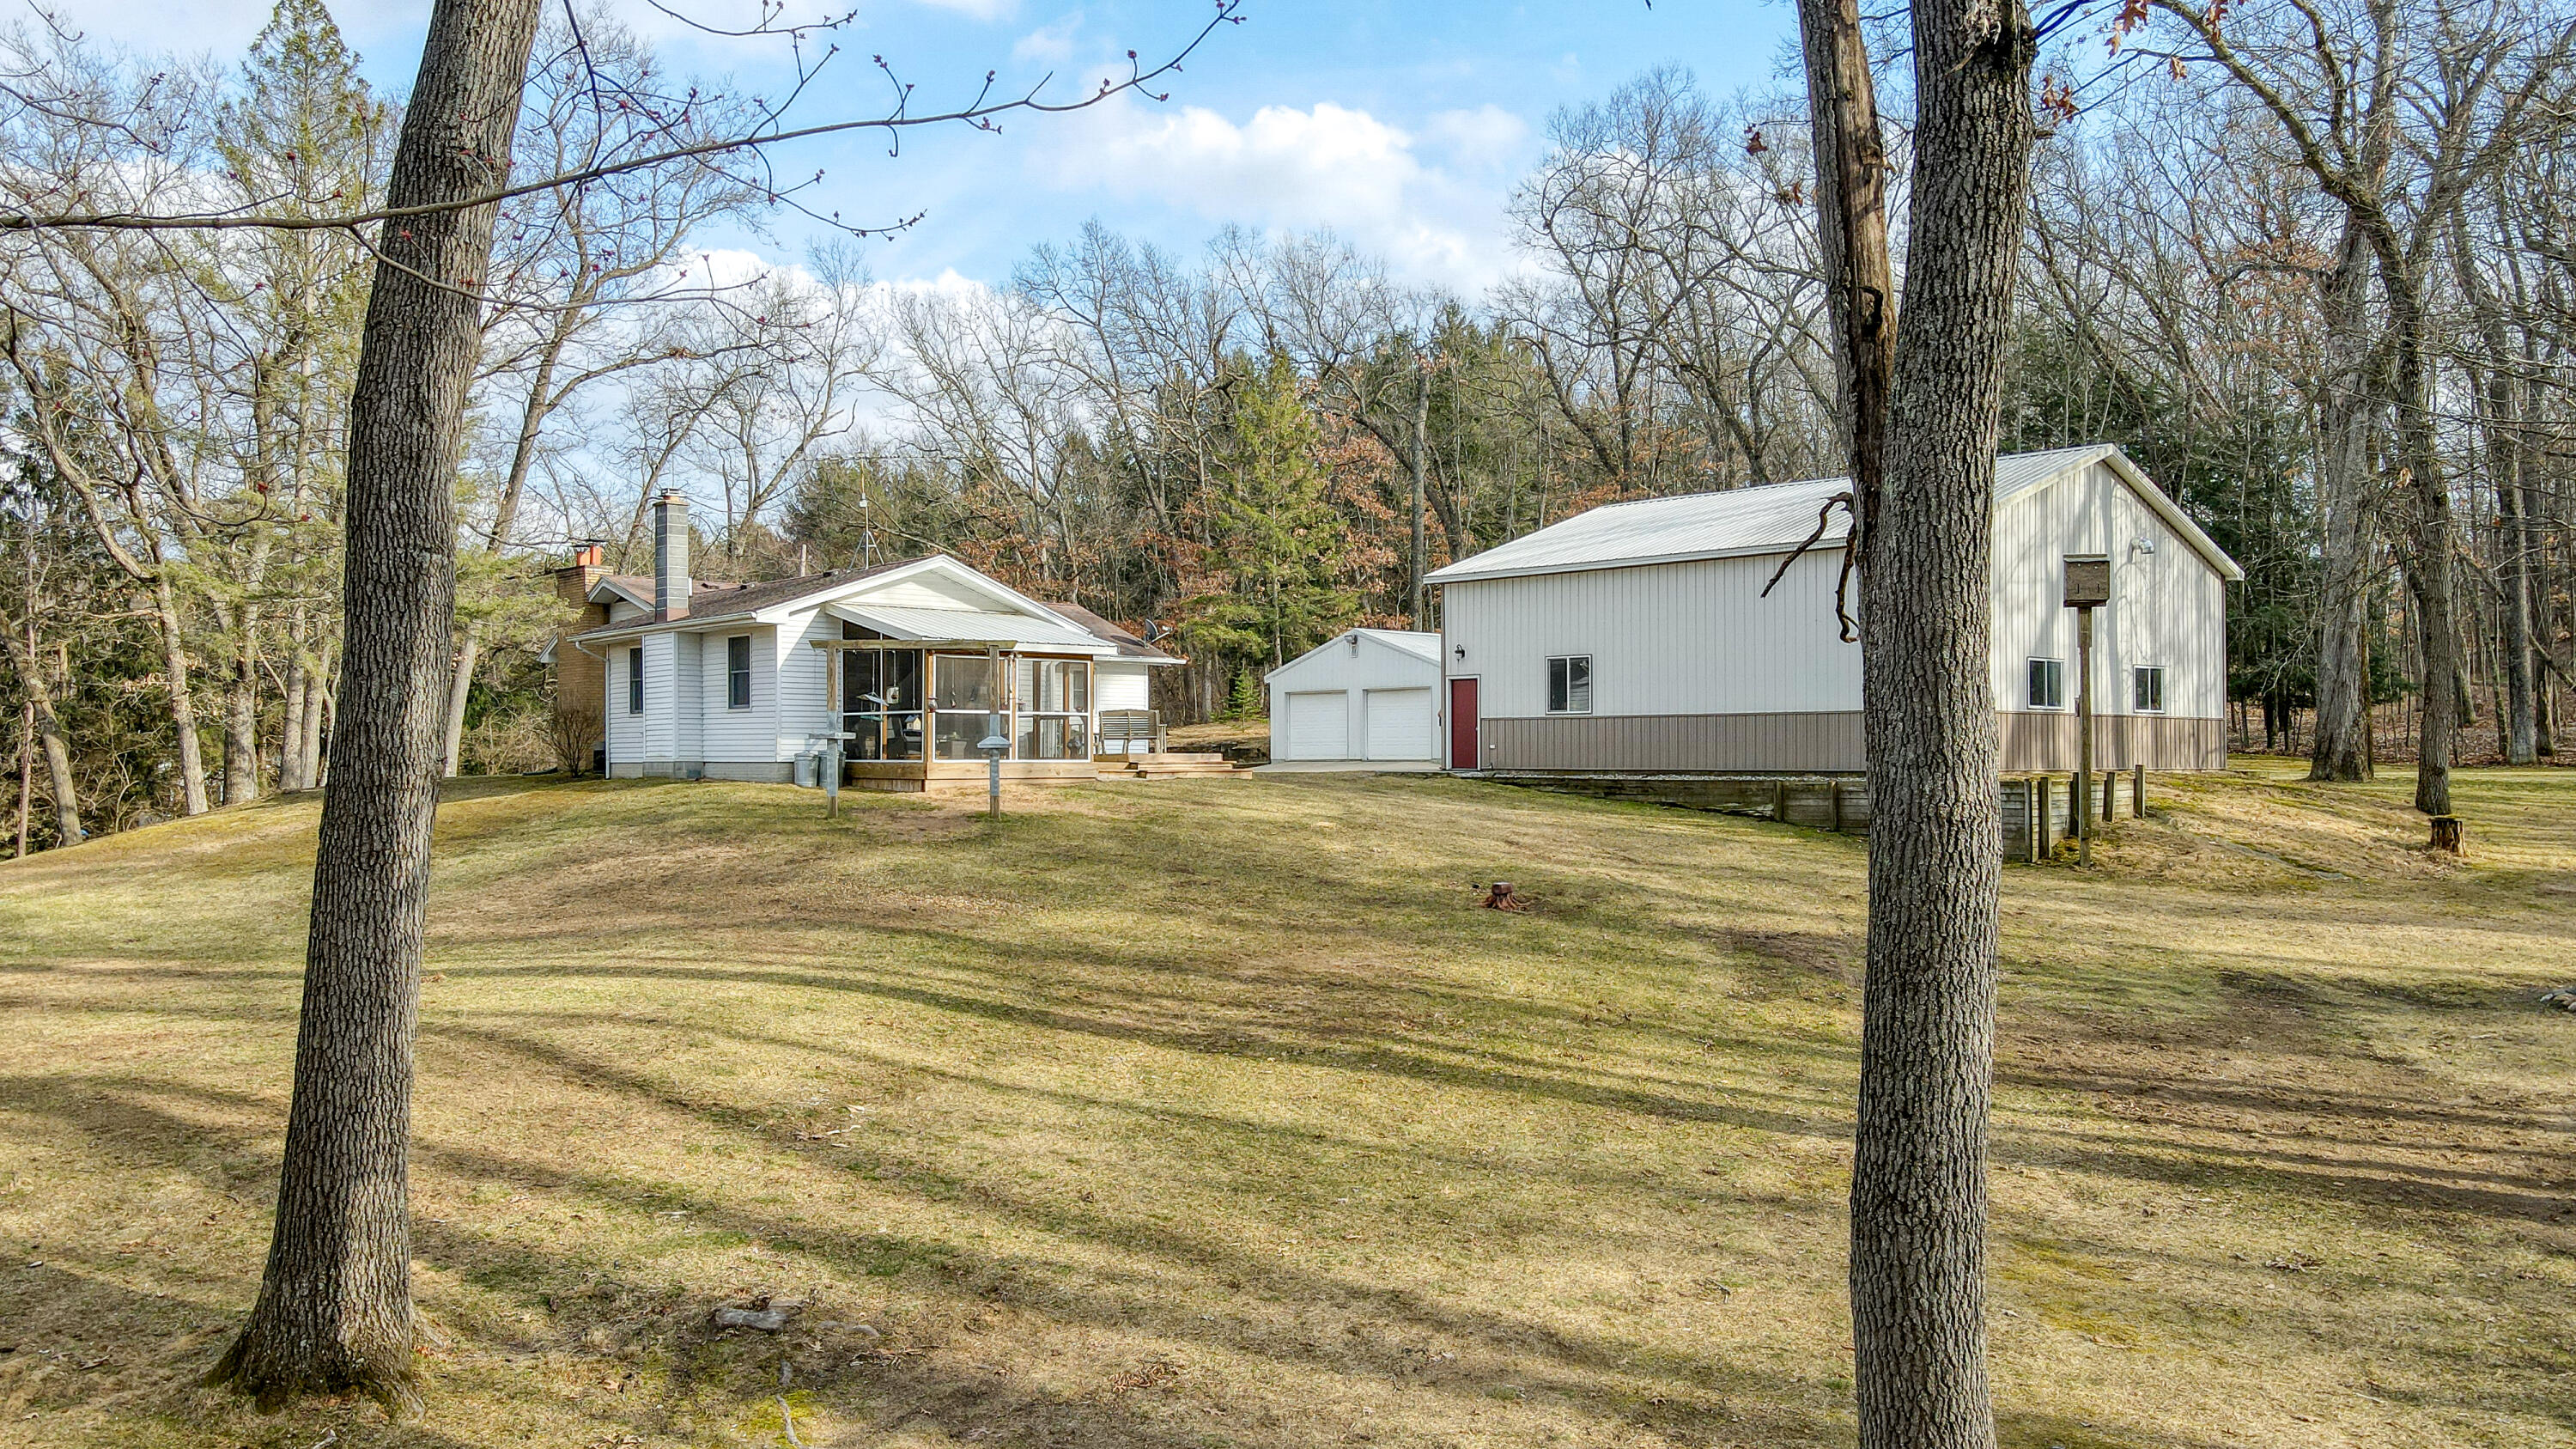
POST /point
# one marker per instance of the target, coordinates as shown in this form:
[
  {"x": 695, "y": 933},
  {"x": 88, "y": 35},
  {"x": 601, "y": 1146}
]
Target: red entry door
[{"x": 1462, "y": 725}]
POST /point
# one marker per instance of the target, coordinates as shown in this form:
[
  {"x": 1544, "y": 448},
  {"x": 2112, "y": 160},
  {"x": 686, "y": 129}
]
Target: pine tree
[{"x": 1277, "y": 543}]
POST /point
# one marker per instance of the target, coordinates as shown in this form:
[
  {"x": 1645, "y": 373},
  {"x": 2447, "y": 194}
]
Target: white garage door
[
  {"x": 1399, "y": 724},
  {"x": 1319, "y": 725}
]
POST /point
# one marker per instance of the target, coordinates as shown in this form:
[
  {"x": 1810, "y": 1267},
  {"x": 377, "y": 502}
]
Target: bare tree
[
  {"x": 1922, "y": 501},
  {"x": 334, "y": 1313}
]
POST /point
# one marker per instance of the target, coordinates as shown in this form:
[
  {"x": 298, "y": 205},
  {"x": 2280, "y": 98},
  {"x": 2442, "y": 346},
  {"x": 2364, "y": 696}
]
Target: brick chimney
[
  {"x": 671, "y": 584},
  {"x": 579, "y": 683}
]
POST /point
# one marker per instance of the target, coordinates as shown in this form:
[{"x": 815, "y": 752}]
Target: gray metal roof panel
[{"x": 1772, "y": 518}]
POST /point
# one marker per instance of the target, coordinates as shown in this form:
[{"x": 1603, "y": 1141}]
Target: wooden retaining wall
[{"x": 2038, "y": 811}]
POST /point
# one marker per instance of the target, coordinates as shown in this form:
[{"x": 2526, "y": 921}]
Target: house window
[
  {"x": 2147, "y": 689},
  {"x": 2048, "y": 684},
  {"x": 881, "y": 703},
  {"x": 635, "y": 680},
  {"x": 738, "y": 672},
  {"x": 966, "y": 691},
  {"x": 1054, "y": 699},
  {"x": 1569, "y": 684}
]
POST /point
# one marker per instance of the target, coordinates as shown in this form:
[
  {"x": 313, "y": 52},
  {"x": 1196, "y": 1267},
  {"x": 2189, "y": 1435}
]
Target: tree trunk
[
  {"x": 290, "y": 726},
  {"x": 2431, "y": 539},
  {"x": 533, "y": 412},
  {"x": 241, "y": 726},
  {"x": 1419, "y": 597},
  {"x": 317, "y": 703},
  {"x": 460, "y": 687},
  {"x": 183, "y": 704},
  {"x": 2341, "y": 747},
  {"x": 26, "y": 774},
  {"x": 1924, "y": 504},
  {"x": 334, "y": 1313},
  {"x": 48, "y": 728}
]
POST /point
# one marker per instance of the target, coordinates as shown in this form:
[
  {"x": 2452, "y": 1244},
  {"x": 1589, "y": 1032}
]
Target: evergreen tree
[{"x": 1273, "y": 580}]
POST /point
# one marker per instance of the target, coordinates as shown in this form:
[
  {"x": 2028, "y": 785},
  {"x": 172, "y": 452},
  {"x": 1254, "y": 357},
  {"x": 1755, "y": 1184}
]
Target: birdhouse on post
[{"x": 2088, "y": 587}]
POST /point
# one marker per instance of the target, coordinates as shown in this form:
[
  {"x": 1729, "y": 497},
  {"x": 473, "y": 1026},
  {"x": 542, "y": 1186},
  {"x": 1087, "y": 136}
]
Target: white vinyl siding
[
  {"x": 1121, "y": 686},
  {"x": 797, "y": 680},
  {"x": 739, "y": 736},
  {"x": 625, "y": 731},
  {"x": 661, "y": 733}
]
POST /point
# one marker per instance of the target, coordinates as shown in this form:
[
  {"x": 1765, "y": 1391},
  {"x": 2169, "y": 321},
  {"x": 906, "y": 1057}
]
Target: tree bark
[
  {"x": 2341, "y": 750},
  {"x": 317, "y": 704},
  {"x": 334, "y": 1313},
  {"x": 1918, "y": 1197},
  {"x": 48, "y": 729},
  {"x": 1420, "y": 594},
  {"x": 241, "y": 723},
  {"x": 1851, "y": 238}
]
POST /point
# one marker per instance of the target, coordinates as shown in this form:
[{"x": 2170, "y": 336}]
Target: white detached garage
[{"x": 1365, "y": 695}]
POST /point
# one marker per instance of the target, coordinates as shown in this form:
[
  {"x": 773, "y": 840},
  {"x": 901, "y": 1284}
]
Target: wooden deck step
[{"x": 1166, "y": 767}]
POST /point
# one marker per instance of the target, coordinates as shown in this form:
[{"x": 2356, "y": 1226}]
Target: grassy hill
[{"x": 1215, "y": 1114}]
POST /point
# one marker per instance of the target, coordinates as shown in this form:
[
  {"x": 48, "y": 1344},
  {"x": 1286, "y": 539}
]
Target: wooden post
[
  {"x": 1834, "y": 789},
  {"x": 2138, "y": 794},
  {"x": 2043, "y": 820},
  {"x": 2083, "y": 801},
  {"x": 1780, "y": 801},
  {"x": 2110, "y": 795}
]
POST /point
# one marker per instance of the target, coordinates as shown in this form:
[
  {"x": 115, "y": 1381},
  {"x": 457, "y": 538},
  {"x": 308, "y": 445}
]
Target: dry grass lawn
[{"x": 1214, "y": 1114}]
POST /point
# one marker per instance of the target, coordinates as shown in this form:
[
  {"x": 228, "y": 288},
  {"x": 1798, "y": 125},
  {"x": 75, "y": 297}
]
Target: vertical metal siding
[
  {"x": 1665, "y": 639},
  {"x": 2167, "y": 608}
]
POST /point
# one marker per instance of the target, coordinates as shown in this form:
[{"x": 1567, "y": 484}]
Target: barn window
[
  {"x": 635, "y": 680},
  {"x": 738, "y": 672},
  {"x": 2048, "y": 684},
  {"x": 1569, "y": 684},
  {"x": 2147, "y": 689}
]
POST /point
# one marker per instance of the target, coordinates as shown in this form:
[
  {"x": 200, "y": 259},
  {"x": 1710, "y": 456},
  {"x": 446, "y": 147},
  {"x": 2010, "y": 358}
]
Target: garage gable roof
[
  {"x": 1776, "y": 518},
  {"x": 1420, "y": 648}
]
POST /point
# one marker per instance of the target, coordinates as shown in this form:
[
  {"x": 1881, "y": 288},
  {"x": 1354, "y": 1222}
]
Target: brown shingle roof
[
  {"x": 1129, "y": 646},
  {"x": 711, "y": 601}
]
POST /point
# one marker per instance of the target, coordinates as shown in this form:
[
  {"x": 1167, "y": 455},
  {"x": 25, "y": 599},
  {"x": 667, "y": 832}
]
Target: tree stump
[
  {"x": 2446, "y": 835},
  {"x": 1502, "y": 898}
]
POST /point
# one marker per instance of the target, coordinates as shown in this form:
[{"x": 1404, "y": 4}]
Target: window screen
[
  {"x": 2048, "y": 684},
  {"x": 1569, "y": 684},
  {"x": 2147, "y": 689},
  {"x": 738, "y": 672}
]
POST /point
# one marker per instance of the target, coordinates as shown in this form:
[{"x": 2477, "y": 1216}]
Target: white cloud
[
  {"x": 1485, "y": 136},
  {"x": 1326, "y": 167},
  {"x": 976, "y": 9},
  {"x": 1049, "y": 42}
]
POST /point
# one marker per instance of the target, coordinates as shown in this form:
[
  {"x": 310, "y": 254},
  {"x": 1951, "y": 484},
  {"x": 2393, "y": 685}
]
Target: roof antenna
[{"x": 867, "y": 535}]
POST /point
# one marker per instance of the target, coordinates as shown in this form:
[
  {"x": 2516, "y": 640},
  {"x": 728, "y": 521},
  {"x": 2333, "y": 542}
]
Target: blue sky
[{"x": 1402, "y": 126}]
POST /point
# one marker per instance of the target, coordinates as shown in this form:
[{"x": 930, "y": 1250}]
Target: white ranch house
[
  {"x": 731, "y": 681},
  {"x": 1634, "y": 637}
]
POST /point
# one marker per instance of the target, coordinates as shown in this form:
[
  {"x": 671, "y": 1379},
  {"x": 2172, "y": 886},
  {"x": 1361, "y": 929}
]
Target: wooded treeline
[{"x": 2315, "y": 276}]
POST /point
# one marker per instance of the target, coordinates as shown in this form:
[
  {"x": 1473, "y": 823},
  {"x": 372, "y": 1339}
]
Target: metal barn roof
[
  {"x": 1425, "y": 646},
  {"x": 1773, "y": 518}
]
